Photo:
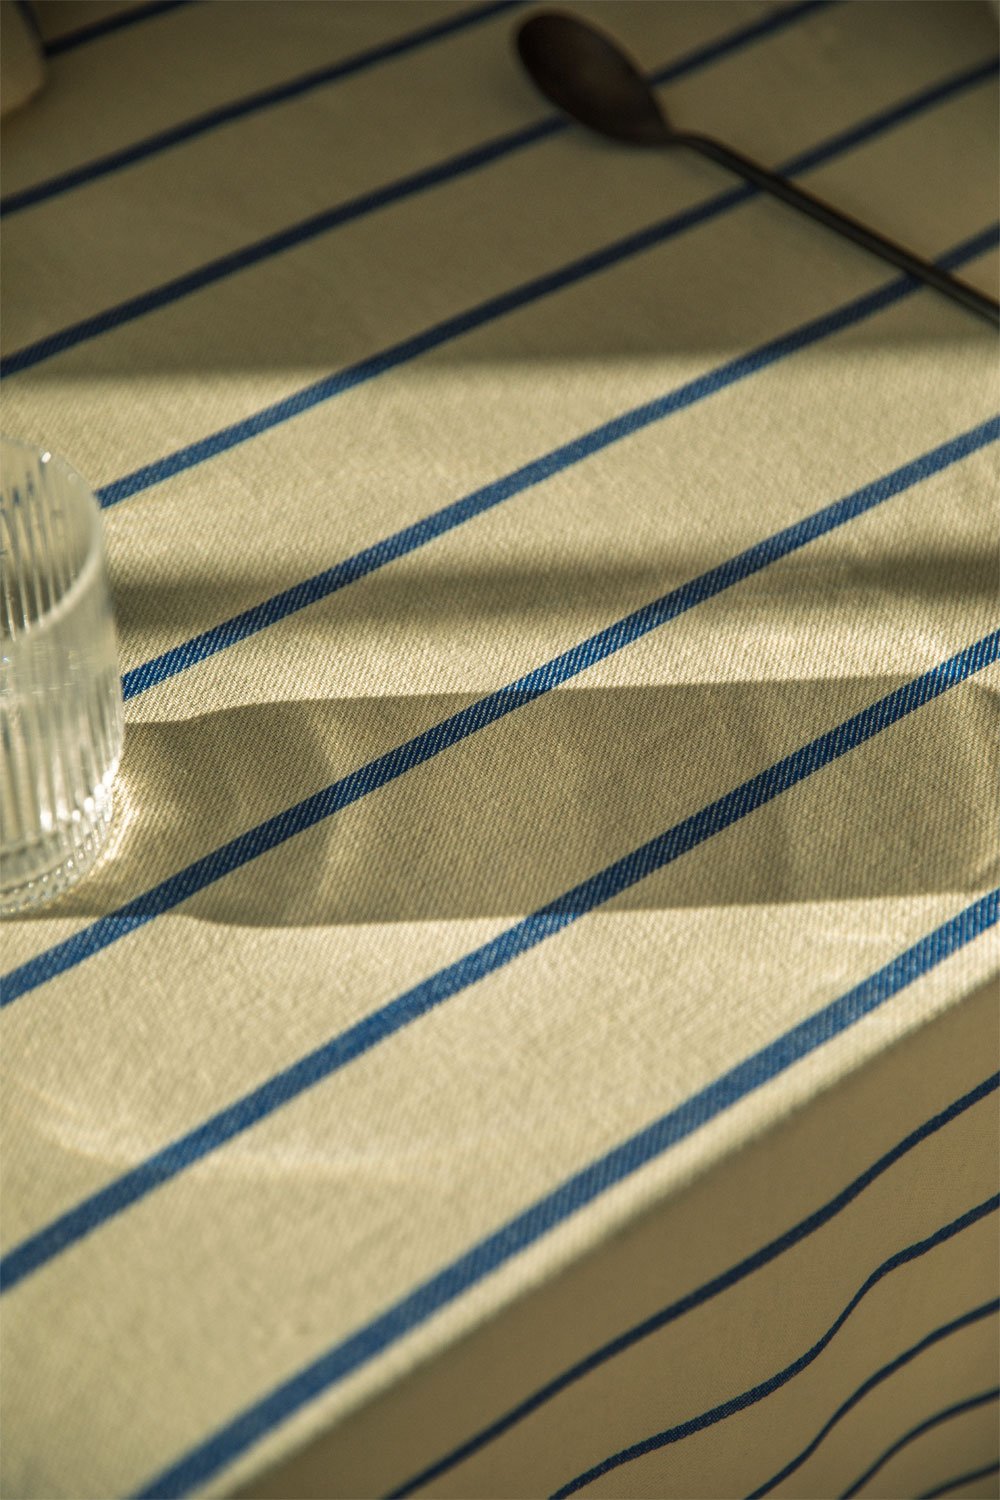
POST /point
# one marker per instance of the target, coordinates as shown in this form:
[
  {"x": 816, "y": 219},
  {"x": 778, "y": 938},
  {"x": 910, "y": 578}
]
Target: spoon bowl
[{"x": 583, "y": 71}]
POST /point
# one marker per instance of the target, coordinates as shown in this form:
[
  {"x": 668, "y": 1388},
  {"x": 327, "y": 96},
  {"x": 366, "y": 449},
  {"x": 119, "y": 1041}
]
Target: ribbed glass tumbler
[{"x": 60, "y": 692}]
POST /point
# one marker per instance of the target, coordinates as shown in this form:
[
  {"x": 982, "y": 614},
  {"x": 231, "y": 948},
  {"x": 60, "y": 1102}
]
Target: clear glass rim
[{"x": 89, "y": 569}]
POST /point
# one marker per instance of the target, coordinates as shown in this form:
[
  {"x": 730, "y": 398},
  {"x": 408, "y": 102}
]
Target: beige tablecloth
[{"x": 535, "y": 1028}]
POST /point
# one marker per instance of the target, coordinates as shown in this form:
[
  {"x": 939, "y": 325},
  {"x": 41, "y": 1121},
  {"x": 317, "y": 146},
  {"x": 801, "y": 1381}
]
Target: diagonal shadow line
[
  {"x": 180, "y": 1479},
  {"x": 487, "y": 710},
  {"x": 863, "y": 1390},
  {"x": 545, "y": 922},
  {"x": 719, "y": 1284},
  {"x": 982, "y": 1398},
  {"x": 533, "y": 1223},
  {"x": 768, "y": 1387},
  {"x": 359, "y": 373},
  {"x": 959, "y": 1481},
  {"x": 67, "y": 41},
  {"x": 446, "y": 170},
  {"x": 264, "y": 98}
]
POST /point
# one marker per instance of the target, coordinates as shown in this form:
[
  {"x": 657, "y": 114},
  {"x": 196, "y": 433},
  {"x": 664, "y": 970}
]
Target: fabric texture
[{"x": 534, "y": 1031}]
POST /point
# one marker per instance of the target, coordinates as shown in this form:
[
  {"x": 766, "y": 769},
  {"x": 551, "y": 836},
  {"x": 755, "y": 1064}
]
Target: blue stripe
[
  {"x": 949, "y": 1412},
  {"x": 260, "y": 616},
  {"x": 204, "y": 1461},
  {"x": 252, "y": 254},
  {"x": 70, "y": 39},
  {"x": 453, "y": 167},
  {"x": 574, "y": 1194},
  {"x": 961, "y": 1480},
  {"x": 351, "y": 376},
  {"x": 702, "y": 1294},
  {"x": 374, "y": 365},
  {"x": 488, "y": 710},
  {"x": 445, "y": 171},
  {"x": 768, "y": 1387},
  {"x": 777, "y": 20},
  {"x": 339, "y": 1051},
  {"x": 907, "y": 109},
  {"x": 852, "y": 1401},
  {"x": 238, "y": 108}
]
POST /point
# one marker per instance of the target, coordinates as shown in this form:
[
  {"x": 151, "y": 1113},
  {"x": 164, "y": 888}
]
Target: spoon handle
[{"x": 789, "y": 192}]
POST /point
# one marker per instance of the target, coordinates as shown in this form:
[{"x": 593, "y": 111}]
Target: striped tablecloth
[{"x": 535, "y": 1031}]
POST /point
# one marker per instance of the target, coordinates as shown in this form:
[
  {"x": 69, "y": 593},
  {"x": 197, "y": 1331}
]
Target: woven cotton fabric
[{"x": 534, "y": 1030}]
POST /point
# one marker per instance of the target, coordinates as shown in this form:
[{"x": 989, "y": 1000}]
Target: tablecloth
[{"x": 534, "y": 1030}]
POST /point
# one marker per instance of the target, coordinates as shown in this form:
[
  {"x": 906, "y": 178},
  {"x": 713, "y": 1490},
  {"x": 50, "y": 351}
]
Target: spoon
[{"x": 586, "y": 74}]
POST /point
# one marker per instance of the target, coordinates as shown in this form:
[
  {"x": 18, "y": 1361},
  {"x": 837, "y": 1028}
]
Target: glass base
[{"x": 53, "y": 864}]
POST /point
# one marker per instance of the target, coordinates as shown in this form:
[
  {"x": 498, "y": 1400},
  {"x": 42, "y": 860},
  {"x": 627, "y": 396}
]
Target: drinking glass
[{"x": 60, "y": 692}]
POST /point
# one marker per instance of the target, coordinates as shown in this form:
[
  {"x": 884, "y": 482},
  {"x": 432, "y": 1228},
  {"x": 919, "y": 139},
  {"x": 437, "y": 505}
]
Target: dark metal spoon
[{"x": 586, "y": 73}]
